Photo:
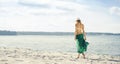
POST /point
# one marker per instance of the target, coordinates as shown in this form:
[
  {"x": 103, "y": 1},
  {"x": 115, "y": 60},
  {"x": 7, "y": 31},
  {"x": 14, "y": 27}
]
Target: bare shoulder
[
  {"x": 76, "y": 24},
  {"x": 83, "y": 25}
]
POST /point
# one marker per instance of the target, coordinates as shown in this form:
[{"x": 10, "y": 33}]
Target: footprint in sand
[
  {"x": 3, "y": 60},
  {"x": 20, "y": 60}
]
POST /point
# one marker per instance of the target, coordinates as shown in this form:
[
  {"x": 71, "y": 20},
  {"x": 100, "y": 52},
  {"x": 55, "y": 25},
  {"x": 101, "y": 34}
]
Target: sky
[{"x": 60, "y": 15}]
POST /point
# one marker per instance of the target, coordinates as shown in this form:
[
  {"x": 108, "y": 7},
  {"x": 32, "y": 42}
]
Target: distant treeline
[
  {"x": 62, "y": 33},
  {"x": 8, "y": 33},
  {"x": 51, "y": 33},
  {"x": 44, "y": 33}
]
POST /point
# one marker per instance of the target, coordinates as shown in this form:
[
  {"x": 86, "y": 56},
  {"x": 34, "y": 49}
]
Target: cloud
[
  {"x": 115, "y": 10},
  {"x": 39, "y": 7},
  {"x": 58, "y": 15},
  {"x": 32, "y": 4},
  {"x": 6, "y": 1},
  {"x": 57, "y": 4}
]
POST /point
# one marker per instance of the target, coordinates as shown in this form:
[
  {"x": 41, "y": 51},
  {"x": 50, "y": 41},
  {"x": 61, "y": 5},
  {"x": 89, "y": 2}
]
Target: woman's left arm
[{"x": 84, "y": 33}]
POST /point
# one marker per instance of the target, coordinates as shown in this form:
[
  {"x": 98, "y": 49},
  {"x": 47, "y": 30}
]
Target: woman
[{"x": 80, "y": 37}]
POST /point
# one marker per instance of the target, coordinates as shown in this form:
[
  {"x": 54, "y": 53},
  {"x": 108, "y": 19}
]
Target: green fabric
[{"x": 81, "y": 43}]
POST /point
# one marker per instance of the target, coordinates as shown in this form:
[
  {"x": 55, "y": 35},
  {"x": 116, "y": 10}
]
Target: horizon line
[{"x": 59, "y": 31}]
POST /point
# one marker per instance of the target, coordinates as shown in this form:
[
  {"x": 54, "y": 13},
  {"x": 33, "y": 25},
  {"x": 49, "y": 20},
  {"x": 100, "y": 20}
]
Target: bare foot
[
  {"x": 77, "y": 58},
  {"x": 84, "y": 57}
]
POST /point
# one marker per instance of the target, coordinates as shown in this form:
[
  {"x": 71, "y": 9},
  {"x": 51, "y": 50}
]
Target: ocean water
[{"x": 98, "y": 44}]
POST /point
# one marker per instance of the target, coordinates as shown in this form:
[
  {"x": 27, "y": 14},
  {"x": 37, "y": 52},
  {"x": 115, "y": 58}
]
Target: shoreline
[{"x": 29, "y": 56}]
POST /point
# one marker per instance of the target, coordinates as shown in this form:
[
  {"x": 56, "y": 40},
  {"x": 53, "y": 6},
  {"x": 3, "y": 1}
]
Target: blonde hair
[{"x": 79, "y": 21}]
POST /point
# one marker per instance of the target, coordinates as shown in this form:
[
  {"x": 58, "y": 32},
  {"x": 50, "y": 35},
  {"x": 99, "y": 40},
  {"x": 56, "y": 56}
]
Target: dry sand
[{"x": 29, "y": 56}]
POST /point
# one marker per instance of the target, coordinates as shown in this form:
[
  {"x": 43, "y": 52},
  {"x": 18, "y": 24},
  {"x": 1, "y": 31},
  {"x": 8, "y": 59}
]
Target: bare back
[{"x": 79, "y": 28}]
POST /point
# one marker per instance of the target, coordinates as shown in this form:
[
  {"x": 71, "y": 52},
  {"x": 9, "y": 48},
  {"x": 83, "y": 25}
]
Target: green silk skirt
[{"x": 81, "y": 43}]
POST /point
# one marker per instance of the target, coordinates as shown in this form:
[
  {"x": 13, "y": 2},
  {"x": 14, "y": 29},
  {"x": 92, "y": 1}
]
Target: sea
[{"x": 98, "y": 44}]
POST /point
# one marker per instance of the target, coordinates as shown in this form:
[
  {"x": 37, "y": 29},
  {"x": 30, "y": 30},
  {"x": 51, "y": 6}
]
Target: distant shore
[
  {"x": 29, "y": 56},
  {"x": 50, "y": 33}
]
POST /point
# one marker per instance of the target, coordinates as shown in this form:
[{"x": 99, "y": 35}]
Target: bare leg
[
  {"x": 78, "y": 55},
  {"x": 83, "y": 55}
]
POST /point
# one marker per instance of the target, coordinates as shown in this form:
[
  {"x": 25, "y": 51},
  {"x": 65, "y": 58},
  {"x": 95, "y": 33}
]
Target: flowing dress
[{"x": 81, "y": 43}]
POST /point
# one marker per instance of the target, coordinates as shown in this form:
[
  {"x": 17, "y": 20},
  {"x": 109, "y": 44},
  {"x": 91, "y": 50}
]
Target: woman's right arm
[{"x": 75, "y": 33}]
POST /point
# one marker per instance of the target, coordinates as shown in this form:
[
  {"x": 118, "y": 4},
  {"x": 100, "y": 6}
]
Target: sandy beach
[{"x": 29, "y": 56}]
